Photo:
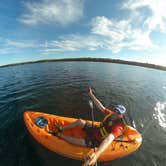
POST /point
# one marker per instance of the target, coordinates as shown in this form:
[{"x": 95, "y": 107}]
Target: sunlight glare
[{"x": 160, "y": 113}]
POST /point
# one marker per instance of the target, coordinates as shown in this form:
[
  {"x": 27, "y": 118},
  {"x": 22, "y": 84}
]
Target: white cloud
[
  {"x": 117, "y": 30},
  {"x": 8, "y": 46},
  {"x": 61, "y": 12},
  {"x": 105, "y": 34},
  {"x": 120, "y": 34},
  {"x": 157, "y": 19},
  {"x": 132, "y": 33},
  {"x": 6, "y": 51},
  {"x": 72, "y": 43},
  {"x": 20, "y": 44}
]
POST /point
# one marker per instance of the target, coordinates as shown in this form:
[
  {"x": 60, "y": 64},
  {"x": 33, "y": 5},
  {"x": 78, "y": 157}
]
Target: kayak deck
[{"x": 129, "y": 143}]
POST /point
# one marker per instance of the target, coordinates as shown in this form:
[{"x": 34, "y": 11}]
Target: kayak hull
[{"x": 129, "y": 143}]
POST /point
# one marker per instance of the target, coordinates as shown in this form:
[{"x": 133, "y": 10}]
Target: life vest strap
[{"x": 103, "y": 132}]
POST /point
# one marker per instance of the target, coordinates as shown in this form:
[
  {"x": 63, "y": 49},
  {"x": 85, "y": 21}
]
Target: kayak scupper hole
[
  {"x": 113, "y": 149},
  {"x": 121, "y": 145}
]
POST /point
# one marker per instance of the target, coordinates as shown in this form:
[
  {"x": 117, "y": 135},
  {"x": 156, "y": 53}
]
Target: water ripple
[{"x": 61, "y": 88}]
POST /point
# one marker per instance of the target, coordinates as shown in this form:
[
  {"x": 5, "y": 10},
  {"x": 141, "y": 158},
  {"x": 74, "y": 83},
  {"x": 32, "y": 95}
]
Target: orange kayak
[{"x": 127, "y": 144}]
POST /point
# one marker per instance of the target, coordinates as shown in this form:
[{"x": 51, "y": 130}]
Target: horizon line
[{"x": 90, "y": 59}]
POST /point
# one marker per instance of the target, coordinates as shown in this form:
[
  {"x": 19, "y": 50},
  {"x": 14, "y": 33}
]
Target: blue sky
[{"x": 49, "y": 29}]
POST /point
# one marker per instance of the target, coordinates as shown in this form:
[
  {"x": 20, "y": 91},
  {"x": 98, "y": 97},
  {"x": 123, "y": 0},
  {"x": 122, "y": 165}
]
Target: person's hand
[
  {"x": 90, "y": 160},
  {"x": 90, "y": 91}
]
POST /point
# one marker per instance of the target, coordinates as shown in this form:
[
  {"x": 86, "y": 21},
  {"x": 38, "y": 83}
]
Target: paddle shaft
[
  {"x": 92, "y": 112},
  {"x": 92, "y": 115}
]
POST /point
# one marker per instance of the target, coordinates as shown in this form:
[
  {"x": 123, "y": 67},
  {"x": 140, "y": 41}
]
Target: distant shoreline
[{"x": 148, "y": 65}]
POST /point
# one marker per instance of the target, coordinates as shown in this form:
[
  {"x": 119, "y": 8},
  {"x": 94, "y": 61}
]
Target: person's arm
[
  {"x": 95, "y": 100},
  {"x": 92, "y": 159}
]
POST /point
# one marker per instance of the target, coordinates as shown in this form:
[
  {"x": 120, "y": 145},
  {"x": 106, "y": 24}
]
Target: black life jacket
[{"x": 107, "y": 124}]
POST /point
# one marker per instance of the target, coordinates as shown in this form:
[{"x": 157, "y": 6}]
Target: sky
[{"x": 130, "y": 30}]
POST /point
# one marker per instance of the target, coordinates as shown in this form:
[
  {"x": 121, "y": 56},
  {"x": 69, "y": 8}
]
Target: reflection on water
[{"x": 160, "y": 113}]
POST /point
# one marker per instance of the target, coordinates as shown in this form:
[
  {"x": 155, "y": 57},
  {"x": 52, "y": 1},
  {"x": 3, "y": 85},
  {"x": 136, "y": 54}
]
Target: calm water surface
[{"x": 61, "y": 88}]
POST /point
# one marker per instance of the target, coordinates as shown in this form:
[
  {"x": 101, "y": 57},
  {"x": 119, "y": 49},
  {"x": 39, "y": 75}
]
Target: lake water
[{"x": 61, "y": 88}]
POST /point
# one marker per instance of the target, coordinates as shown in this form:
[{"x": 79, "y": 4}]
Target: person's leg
[
  {"x": 78, "y": 122},
  {"x": 76, "y": 141}
]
